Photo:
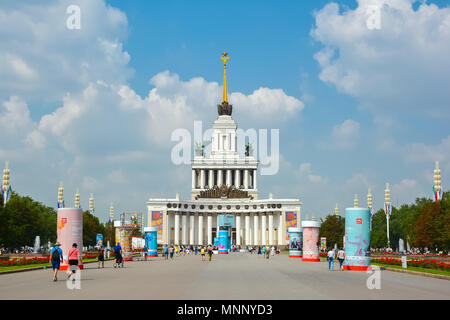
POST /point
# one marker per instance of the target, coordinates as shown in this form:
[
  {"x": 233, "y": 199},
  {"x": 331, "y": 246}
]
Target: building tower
[
  {"x": 224, "y": 166},
  {"x": 60, "y": 202},
  {"x": 437, "y": 189},
  {"x": 6, "y": 186}
]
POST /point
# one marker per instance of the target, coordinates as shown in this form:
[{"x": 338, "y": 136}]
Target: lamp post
[
  {"x": 77, "y": 199},
  {"x": 437, "y": 190},
  {"x": 370, "y": 206},
  {"x": 60, "y": 201},
  {"x": 91, "y": 204},
  {"x": 6, "y": 187},
  {"x": 387, "y": 209}
]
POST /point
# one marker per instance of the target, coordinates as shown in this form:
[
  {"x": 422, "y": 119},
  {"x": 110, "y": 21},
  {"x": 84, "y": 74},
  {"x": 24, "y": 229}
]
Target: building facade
[{"x": 224, "y": 182}]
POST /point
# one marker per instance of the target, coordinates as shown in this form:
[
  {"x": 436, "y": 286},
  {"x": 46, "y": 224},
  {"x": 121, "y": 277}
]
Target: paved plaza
[{"x": 233, "y": 276}]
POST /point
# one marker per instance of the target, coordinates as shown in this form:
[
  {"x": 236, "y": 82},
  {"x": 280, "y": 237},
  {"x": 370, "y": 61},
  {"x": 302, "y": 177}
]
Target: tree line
[
  {"x": 22, "y": 219},
  {"x": 423, "y": 224}
]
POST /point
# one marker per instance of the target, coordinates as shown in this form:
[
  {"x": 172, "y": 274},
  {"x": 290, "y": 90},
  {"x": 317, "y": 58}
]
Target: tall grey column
[
  {"x": 183, "y": 228},
  {"x": 238, "y": 229},
  {"x": 247, "y": 229},
  {"x": 209, "y": 221},
  {"x": 254, "y": 178},
  {"x": 237, "y": 178},
  {"x": 219, "y": 177},
  {"x": 280, "y": 228},
  {"x": 193, "y": 179},
  {"x": 271, "y": 228},
  {"x": 177, "y": 228},
  {"x": 263, "y": 229},
  {"x": 246, "y": 179},
  {"x": 200, "y": 229},
  {"x": 228, "y": 178},
  {"x": 211, "y": 178},
  {"x": 202, "y": 178},
  {"x": 255, "y": 229},
  {"x": 191, "y": 228}
]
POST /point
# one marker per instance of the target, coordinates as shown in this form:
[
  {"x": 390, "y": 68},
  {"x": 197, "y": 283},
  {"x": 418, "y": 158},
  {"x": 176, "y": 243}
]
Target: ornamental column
[
  {"x": 177, "y": 228},
  {"x": 238, "y": 229},
  {"x": 255, "y": 228},
  {"x": 280, "y": 228},
  {"x": 209, "y": 221},
  {"x": 246, "y": 179},
  {"x": 193, "y": 179},
  {"x": 211, "y": 178},
  {"x": 184, "y": 228},
  {"x": 254, "y": 179},
  {"x": 219, "y": 177},
  {"x": 237, "y": 178},
  {"x": 271, "y": 228},
  {"x": 200, "y": 229},
  {"x": 247, "y": 229},
  {"x": 191, "y": 228},
  {"x": 202, "y": 178},
  {"x": 228, "y": 177},
  {"x": 263, "y": 229}
]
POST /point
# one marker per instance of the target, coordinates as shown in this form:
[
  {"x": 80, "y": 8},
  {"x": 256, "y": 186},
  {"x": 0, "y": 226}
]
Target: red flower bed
[
  {"x": 23, "y": 261},
  {"x": 424, "y": 263}
]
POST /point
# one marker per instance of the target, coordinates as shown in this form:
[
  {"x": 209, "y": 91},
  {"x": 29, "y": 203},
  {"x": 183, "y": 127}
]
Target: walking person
[
  {"x": 259, "y": 251},
  {"x": 101, "y": 257},
  {"x": 171, "y": 252},
  {"x": 341, "y": 257},
  {"x": 166, "y": 252},
  {"x": 203, "y": 252},
  {"x": 264, "y": 252},
  {"x": 73, "y": 257},
  {"x": 210, "y": 252},
  {"x": 56, "y": 257},
  {"x": 267, "y": 252},
  {"x": 117, "y": 255},
  {"x": 331, "y": 259}
]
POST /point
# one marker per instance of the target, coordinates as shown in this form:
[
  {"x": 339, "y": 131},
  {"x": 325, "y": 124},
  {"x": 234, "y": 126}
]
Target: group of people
[
  {"x": 73, "y": 258},
  {"x": 332, "y": 255},
  {"x": 170, "y": 251}
]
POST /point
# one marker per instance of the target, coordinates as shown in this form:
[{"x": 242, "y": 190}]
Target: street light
[
  {"x": 387, "y": 209},
  {"x": 437, "y": 190},
  {"x": 6, "y": 187}
]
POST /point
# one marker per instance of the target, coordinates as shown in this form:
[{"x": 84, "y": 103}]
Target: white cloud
[
  {"x": 397, "y": 68},
  {"x": 345, "y": 135}
]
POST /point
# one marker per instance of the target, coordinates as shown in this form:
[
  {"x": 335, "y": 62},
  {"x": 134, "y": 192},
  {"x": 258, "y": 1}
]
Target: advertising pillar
[
  {"x": 223, "y": 240},
  {"x": 295, "y": 242},
  {"x": 69, "y": 230},
  {"x": 311, "y": 241},
  {"x": 151, "y": 241},
  {"x": 357, "y": 239}
]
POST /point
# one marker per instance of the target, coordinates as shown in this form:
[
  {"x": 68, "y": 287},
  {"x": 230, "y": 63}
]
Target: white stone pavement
[{"x": 233, "y": 276}]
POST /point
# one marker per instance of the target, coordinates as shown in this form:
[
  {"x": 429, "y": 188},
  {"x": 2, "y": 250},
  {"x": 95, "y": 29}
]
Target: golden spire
[{"x": 225, "y": 59}]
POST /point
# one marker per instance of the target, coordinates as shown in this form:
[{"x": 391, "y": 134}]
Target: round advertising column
[
  {"x": 311, "y": 241},
  {"x": 151, "y": 241},
  {"x": 223, "y": 241},
  {"x": 357, "y": 239},
  {"x": 295, "y": 242},
  {"x": 69, "y": 230}
]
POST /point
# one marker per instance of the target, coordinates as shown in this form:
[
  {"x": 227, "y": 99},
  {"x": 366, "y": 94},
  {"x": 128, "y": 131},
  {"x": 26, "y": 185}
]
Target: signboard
[
  {"x": 323, "y": 243},
  {"x": 291, "y": 221},
  {"x": 226, "y": 220},
  {"x": 157, "y": 221},
  {"x": 99, "y": 240}
]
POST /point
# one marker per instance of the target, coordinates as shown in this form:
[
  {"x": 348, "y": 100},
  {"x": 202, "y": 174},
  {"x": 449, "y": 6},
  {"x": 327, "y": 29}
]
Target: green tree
[
  {"x": 91, "y": 227},
  {"x": 333, "y": 228}
]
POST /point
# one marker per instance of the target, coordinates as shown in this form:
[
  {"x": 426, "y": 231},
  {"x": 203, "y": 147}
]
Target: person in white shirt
[
  {"x": 341, "y": 257},
  {"x": 331, "y": 259}
]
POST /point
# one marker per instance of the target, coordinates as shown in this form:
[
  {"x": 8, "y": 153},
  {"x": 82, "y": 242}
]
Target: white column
[
  {"x": 193, "y": 179},
  {"x": 200, "y": 229},
  {"x": 238, "y": 229},
  {"x": 247, "y": 229},
  {"x": 183, "y": 228},
  {"x": 263, "y": 229},
  {"x": 209, "y": 221},
  {"x": 271, "y": 228},
  {"x": 246, "y": 179},
  {"x": 202, "y": 178},
  {"x": 254, "y": 179},
  {"x": 191, "y": 229},
  {"x": 255, "y": 228},
  {"x": 219, "y": 177},
  {"x": 177, "y": 228},
  {"x": 211, "y": 178},
  {"x": 228, "y": 177},
  {"x": 237, "y": 178},
  {"x": 280, "y": 229}
]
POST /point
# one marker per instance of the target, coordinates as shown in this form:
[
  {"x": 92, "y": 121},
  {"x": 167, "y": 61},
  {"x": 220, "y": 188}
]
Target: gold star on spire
[{"x": 225, "y": 59}]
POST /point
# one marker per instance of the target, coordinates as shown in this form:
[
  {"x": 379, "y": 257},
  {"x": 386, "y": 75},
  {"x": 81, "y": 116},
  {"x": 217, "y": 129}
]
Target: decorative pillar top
[{"x": 224, "y": 108}]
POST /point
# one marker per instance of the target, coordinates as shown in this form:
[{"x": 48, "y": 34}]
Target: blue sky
[{"x": 95, "y": 107}]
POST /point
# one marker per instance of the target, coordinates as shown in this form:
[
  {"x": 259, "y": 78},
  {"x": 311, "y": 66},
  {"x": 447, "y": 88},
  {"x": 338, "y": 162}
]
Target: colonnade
[
  {"x": 203, "y": 178},
  {"x": 189, "y": 228}
]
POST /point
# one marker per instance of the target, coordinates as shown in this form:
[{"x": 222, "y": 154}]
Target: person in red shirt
[{"x": 73, "y": 257}]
